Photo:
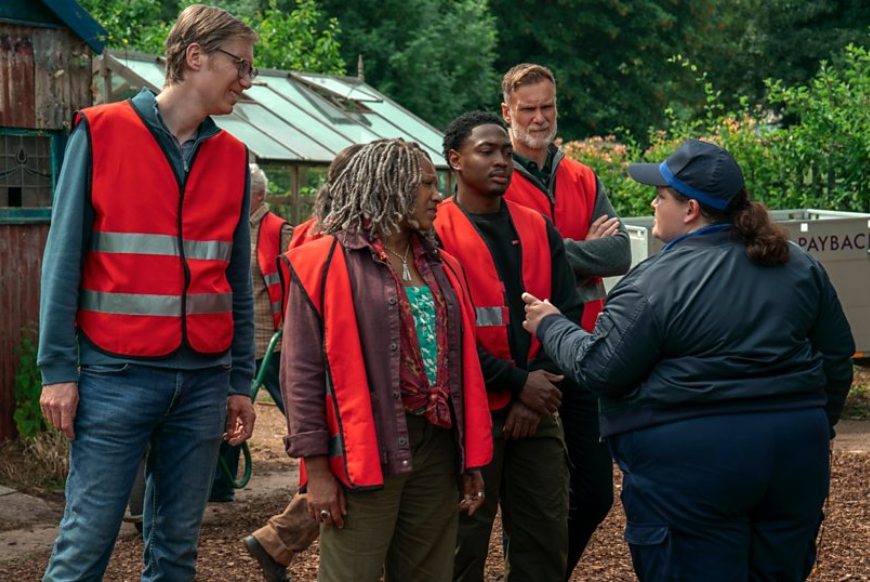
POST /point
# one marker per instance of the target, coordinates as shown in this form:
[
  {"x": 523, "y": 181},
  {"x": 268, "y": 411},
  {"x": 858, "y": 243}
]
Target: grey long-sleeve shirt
[
  {"x": 61, "y": 349},
  {"x": 604, "y": 257}
]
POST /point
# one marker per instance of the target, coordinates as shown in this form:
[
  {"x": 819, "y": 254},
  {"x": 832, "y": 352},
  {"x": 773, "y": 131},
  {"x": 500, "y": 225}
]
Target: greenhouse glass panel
[
  {"x": 306, "y": 146},
  {"x": 323, "y": 110},
  {"x": 298, "y": 118},
  {"x": 344, "y": 90},
  {"x": 151, "y": 71},
  {"x": 257, "y": 141}
]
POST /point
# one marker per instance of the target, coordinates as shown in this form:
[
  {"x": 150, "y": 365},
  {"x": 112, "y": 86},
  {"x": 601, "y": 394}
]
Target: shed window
[{"x": 28, "y": 168}]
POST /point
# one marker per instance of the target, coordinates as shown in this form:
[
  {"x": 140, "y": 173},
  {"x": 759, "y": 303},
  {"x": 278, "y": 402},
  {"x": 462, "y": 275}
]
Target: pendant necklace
[{"x": 406, "y": 273}]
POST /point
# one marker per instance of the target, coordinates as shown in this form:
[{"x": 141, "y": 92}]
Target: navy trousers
[{"x": 725, "y": 498}]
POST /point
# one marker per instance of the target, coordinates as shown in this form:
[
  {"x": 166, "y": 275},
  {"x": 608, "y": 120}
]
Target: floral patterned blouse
[{"x": 424, "y": 373}]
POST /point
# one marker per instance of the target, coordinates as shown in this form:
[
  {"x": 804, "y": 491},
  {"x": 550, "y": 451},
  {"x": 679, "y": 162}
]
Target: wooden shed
[{"x": 46, "y": 52}]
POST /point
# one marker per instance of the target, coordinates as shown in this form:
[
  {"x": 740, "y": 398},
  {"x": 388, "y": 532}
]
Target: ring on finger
[{"x": 324, "y": 515}]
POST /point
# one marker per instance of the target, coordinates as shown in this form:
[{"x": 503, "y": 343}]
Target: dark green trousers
[
  {"x": 407, "y": 529},
  {"x": 529, "y": 479}
]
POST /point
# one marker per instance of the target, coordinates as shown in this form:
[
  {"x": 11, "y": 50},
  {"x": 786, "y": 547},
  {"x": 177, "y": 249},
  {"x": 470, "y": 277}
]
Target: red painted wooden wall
[{"x": 21, "y": 248}]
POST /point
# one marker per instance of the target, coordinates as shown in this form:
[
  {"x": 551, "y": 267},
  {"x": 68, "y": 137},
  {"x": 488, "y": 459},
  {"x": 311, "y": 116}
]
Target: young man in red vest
[
  {"x": 596, "y": 244},
  {"x": 505, "y": 249},
  {"x": 270, "y": 236},
  {"x": 146, "y": 315}
]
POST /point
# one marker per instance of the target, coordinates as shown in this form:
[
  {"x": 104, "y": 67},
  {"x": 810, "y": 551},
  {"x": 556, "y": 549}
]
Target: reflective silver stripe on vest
[
  {"x": 155, "y": 305},
  {"x": 208, "y": 250},
  {"x": 276, "y": 307},
  {"x": 159, "y": 244},
  {"x": 131, "y": 303},
  {"x": 136, "y": 244},
  {"x": 273, "y": 279},
  {"x": 203, "y": 303},
  {"x": 489, "y": 316}
]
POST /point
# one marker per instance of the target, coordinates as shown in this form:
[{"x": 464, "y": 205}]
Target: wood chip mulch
[{"x": 845, "y": 552}]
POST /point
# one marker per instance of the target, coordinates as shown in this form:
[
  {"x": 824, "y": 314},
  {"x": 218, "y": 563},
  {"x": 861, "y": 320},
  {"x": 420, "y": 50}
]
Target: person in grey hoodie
[{"x": 596, "y": 245}]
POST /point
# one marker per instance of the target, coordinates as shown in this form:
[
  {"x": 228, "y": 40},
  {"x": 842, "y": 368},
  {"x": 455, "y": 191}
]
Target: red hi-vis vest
[
  {"x": 461, "y": 239},
  {"x": 268, "y": 249},
  {"x": 303, "y": 234},
  {"x": 570, "y": 209},
  {"x": 354, "y": 458},
  {"x": 154, "y": 276}
]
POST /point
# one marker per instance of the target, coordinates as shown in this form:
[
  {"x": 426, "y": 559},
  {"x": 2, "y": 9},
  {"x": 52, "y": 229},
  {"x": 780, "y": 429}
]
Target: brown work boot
[{"x": 272, "y": 570}]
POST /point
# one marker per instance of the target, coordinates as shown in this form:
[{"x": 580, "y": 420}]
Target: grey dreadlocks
[{"x": 375, "y": 191}]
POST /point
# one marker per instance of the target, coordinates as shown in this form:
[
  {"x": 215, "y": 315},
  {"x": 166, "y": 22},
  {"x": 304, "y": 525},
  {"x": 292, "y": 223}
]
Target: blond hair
[
  {"x": 524, "y": 74},
  {"x": 208, "y": 26}
]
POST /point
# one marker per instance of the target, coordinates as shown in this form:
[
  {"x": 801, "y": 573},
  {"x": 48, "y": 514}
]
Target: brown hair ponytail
[{"x": 766, "y": 242}]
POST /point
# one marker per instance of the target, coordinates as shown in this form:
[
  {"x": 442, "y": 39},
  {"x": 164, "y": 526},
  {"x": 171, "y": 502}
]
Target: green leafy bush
[
  {"x": 829, "y": 148},
  {"x": 28, "y": 386},
  {"x": 301, "y": 38},
  {"x": 820, "y": 159}
]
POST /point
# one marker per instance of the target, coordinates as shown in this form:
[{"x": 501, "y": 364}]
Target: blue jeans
[{"x": 182, "y": 414}]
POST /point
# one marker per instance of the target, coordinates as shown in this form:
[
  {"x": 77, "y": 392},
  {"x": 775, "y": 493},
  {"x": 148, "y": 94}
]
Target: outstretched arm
[{"x": 613, "y": 359}]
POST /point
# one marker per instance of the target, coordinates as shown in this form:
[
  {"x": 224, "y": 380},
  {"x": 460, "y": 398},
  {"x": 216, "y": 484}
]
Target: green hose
[{"x": 255, "y": 387}]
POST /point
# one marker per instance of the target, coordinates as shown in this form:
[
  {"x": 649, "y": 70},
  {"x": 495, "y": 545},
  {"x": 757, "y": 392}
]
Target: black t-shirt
[{"x": 501, "y": 239}]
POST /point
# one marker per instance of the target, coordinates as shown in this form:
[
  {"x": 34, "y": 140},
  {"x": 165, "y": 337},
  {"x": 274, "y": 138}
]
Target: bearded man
[{"x": 596, "y": 245}]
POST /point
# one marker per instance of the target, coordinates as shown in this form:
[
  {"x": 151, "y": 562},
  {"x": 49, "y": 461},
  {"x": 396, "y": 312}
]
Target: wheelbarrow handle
[{"x": 261, "y": 373}]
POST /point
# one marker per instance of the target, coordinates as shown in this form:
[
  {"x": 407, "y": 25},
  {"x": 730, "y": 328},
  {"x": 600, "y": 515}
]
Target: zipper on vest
[
  {"x": 548, "y": 190},
  {"x": 182, "y": 184},
  {"x": 181, "y": 188}
]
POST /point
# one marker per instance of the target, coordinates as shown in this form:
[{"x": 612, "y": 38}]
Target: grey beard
[{"x": 535, "y": 143}]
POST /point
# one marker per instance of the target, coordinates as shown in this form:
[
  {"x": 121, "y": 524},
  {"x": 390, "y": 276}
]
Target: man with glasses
[
  {"x": 243, "y": 65},
  {"x": 146, "y": 315}
]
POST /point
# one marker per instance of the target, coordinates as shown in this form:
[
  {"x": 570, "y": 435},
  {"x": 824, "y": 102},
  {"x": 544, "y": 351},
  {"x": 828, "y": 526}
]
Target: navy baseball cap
[{"x": 699, "y": 170}]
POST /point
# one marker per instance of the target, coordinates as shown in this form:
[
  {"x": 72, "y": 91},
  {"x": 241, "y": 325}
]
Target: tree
[
  {"x": 293, "y": 35},
  {"x": 819, "y": 160},
  {"x": 610, "y": 58},
  {"x": 779, "y": 39},
  {"x": 300, "y": 40},
  {"x": 433, "y": 56},
  {"x": 131, "y": 24}
]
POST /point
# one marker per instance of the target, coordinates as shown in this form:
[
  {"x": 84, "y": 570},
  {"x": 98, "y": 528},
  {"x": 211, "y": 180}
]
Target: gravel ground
[{"x": 845, "y": 552}]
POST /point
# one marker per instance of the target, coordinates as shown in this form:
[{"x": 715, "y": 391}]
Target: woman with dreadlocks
[
  {"x": 304, "y": 232},
  {"x": 386, "y": 403}
]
